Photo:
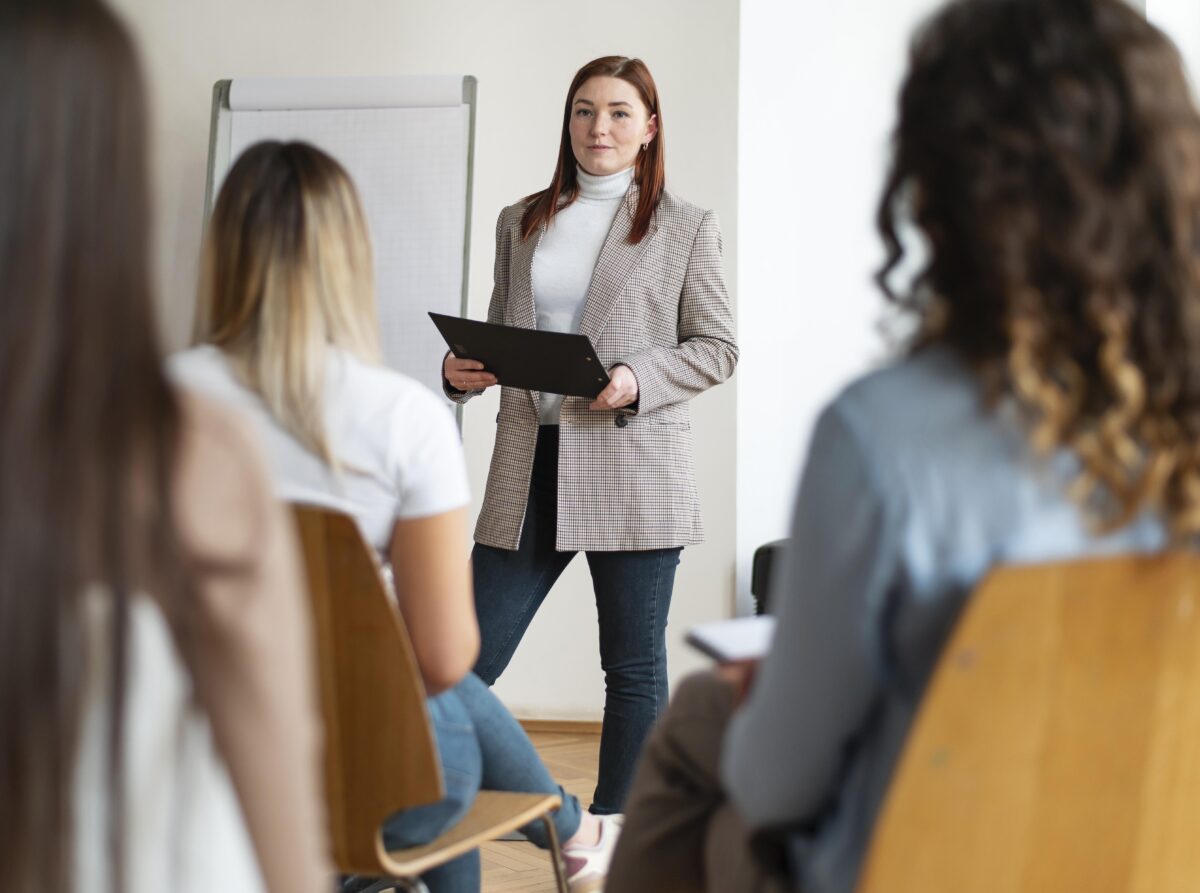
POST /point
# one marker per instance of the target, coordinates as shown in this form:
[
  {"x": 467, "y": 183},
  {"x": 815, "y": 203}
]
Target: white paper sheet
[{"x": 743, "y": 638}]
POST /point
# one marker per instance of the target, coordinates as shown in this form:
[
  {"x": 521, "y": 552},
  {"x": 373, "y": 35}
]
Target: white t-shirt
[
  {"x": 397, "y": 441},
  {"x": 184, "y": 829}
]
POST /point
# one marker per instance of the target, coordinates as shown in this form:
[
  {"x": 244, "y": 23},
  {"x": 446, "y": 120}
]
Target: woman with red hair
[{"x": 607, "y": 251}]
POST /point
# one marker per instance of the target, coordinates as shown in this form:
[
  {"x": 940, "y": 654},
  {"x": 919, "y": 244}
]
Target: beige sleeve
[
  {"x": 250, "y": 647},
  {"x": 707, "y": 352},
  {"x": 499, "y": 302}
]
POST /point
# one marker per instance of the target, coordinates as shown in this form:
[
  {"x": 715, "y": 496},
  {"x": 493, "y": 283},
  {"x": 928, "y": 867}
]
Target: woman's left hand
[{"x": 621, "y": 391}]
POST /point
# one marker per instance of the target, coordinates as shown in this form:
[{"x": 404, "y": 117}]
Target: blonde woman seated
[{"x": 287, "y": 317}]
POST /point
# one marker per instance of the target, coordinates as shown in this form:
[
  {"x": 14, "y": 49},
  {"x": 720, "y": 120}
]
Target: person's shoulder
[
  {"x": 513, "y": 213},
  {"x": 204, "y": 361},
  {"x": 208, "y": 370},
  {"x": 388, "y": 388},
  {"x": 685, "y": 224},
  {"x": 508, "y": 223},
  {"x": 212, "y": 428},
  {"x": 675, "y": 208},
  {"x": 410, "y": 424},
  {"x": 221, "y": 481},
  {"x": 912, "y": 377},
  {"x": 916, "y": 400}
]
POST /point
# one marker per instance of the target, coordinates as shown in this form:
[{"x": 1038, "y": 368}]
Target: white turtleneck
[{"x": 566, "y": 256}]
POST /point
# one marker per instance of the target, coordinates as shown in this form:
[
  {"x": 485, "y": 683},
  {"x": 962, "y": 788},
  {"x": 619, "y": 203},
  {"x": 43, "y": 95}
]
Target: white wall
[
  {"x": 524, "y": 53},
  {"x": 817, "y": 89},
  {"x": 1181, "y": 20},
  {"x": 817, "y": 92}
]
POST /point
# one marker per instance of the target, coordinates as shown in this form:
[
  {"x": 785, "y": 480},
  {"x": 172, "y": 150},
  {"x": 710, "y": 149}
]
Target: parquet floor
[{"x": 519, "y": 867}]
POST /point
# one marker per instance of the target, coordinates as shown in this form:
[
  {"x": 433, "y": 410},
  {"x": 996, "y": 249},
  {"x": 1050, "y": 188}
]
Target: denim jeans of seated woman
[
  {"x": 481, "y": 746},
  {"x": 633, "y": 596}
]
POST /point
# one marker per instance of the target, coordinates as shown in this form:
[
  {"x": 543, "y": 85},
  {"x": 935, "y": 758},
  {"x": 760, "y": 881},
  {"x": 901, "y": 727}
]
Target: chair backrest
[
  {"x": 379, "y": 750},
  {"x": 1058, "y": 745}
]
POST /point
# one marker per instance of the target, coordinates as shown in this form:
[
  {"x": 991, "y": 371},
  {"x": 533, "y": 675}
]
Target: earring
[{"x": 645, "y": 145}]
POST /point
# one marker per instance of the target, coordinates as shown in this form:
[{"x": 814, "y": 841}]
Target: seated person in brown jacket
[{"x": 158, "y": 728}]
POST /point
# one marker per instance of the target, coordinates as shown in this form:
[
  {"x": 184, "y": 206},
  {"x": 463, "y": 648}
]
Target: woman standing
[{"x": 606, "y": 251}]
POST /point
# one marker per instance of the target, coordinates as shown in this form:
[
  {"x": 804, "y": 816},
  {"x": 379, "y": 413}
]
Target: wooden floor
[{"x": 519, "y": 867}]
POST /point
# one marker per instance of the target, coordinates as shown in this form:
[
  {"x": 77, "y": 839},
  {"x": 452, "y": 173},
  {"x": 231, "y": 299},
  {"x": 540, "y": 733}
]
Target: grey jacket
[{"x": 912, "y": 490}]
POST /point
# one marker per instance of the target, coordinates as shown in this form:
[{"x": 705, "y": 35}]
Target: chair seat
[{"x": 493, "y": 813}]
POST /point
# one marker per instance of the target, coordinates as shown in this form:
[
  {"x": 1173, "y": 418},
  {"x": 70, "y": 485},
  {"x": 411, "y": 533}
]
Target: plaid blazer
[{"x": 626, "y": 478}]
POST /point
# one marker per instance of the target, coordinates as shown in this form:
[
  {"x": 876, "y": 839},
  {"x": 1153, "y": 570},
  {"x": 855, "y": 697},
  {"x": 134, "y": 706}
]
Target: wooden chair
[
  {"x": 379, "y": 749},
  {"x": 1058, "y": 746}
]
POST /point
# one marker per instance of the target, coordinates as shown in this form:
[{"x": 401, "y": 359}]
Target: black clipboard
[{"x": 550, "y": 362}]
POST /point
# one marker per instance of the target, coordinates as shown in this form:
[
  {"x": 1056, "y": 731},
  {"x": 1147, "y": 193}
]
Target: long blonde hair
[{"x": 286, "y": 273}]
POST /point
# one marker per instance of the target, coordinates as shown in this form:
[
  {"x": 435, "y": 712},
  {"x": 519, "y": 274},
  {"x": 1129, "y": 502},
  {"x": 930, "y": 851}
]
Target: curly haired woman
[{"x": 1048, "y": 408}]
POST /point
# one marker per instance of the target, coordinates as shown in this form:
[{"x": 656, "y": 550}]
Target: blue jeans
[
  {"x": 633, "y": 596},
  {"x": 481, "y": 746}
]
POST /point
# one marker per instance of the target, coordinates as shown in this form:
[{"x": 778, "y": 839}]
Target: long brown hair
[
  {"x": 88, "y": 423},
  {"x": 1049, "y": 151},
  {"x": 650, "y": 172},
  {"x": 286, "y": 273}
]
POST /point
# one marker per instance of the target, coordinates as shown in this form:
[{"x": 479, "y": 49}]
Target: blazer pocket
[{"x": 674, "y": 415}]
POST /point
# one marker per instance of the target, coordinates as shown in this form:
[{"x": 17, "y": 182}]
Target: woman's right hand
[{"x": 466, "y": 375}]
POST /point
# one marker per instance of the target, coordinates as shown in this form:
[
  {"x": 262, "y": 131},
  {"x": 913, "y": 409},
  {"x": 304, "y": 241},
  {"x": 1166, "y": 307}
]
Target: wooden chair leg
[{"x": 556, "y": 856}]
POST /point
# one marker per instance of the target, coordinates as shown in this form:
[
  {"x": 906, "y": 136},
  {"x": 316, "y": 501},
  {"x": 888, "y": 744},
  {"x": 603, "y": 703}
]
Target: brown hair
[
  {"x": 287, "y": 272},
  {"x": 650, "y": 172},
  {"x": 88, "y": 424},
  {"x": 1049, "y": 152}
]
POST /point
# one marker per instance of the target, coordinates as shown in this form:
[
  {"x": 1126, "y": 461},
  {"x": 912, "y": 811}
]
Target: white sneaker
[{"x": 587, "y": 866}]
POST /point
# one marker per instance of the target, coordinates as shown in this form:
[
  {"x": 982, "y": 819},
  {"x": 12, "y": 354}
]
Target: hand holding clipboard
[{"x": 550, "y": 362}]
